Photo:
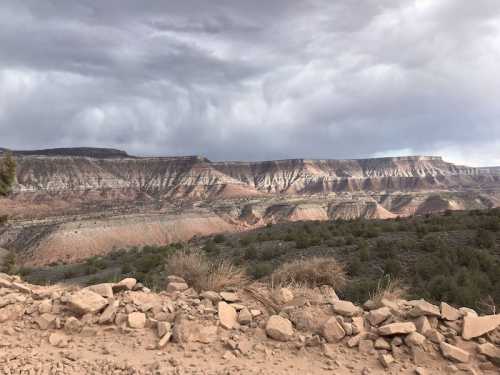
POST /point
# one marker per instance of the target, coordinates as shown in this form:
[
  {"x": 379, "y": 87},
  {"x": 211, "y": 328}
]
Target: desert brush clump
[
  {"x": 7, "y": 174},
  {"x": 387, "y": 288},
  {"x": 311, "y": 272},
  {"x": 203, "y": 274}
]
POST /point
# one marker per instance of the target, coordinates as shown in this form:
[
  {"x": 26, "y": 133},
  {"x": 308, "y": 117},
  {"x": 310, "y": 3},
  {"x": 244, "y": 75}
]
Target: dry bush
[
  {"x": 310, "y": 273},
  {"x": 199, "y": 273},
  {"x": 387, "y": 288},
  {"x": 224, "y": 275}
]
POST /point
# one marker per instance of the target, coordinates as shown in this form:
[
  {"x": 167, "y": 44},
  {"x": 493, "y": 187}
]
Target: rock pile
[{"x": 388, "y": 329}]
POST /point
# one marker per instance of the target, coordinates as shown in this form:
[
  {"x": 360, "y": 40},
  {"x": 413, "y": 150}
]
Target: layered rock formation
[{"x": 91, "y": 200}]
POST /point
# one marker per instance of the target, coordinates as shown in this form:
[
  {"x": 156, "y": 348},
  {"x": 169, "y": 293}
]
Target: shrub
[
  {"x": 250, "y": 253},
  {"x": 7, "y": 174},
  {"x": 260, "y": 270},
  {"x": 194, "y": 267},
  {"x": 485, "y": 239},
  {"x": 219, "y": 238},
  {"x": 311, "y": 272}
]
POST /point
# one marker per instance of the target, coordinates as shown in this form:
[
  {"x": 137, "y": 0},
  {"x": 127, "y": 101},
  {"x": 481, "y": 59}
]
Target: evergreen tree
[{"x": 7, "y": 174}]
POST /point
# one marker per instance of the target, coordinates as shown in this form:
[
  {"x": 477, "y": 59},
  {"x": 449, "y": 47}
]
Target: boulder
[
  {"x": 279, "y": 328},
  {"x": 435, "y": 336},
  {"x": 59, "y": 340},
  {"x": 422, "y": 307},
  {"x": 491, "y": 351},
  {"x": 375, "y": 317},
  {"x": 382, "y": 344},
  {"x": 227, "y": 315},
  {"x": 397, "y": 329},
  {"x": 332, "y": 330},
  {"x": 175, "y": 279},
  {"x": 449, "y": 313},
  {"x": 86, "y": 301},
  {"x": 45, "y": 306},
  {"x": 454, "y": 353},
  {"x": 136, "y": 320},
  {"x": 414, "y": 339},
  {"x": 230, "y": 296},
  {"x": 211, "y": 296},
  {"x": 176, "y": 287},
  {"x": 244, "y": 316},
  {"x": 46, "y": 321},
  {"x": 423, "y": 325},
  {"x": 386, "y": 360},
  {"x": 283, "y": 295},
  {"x": 109, "y": 313},
  {"x": 125, "y": 284},
  {"x": 163, "y": 328},
  {"x": 207, "y": 334},
  {"x": 365, "y": 346},
  {"x": 72, "y": 325},
  {"x": 478, "y": 326},
  {"x": 105, "y": 289},
  {"x": 346, "y": 308}
]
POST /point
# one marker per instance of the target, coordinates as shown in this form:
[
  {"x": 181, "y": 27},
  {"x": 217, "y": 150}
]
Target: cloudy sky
[{"x": 258, "y": 79}]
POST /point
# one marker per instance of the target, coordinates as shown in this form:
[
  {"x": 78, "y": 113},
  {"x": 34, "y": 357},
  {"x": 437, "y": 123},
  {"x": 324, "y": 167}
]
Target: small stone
[
  {"x": 244, "y": 316},
  {"x": 46, "y": 321},
  {"x": 414, "y": 339},
  {"x": 58, "y": 340},
  {"x": 365, "y": 346},
  {"x": 136, "y": 320},
  {"x": 332, "y": 330},
  {"x": 72, "y": 325},
  {"x": 382, "y": 344},
  {"x": 283, "y": 295},
  {"x": 227, "y": 315},
  {"x": 386, "y": 360}
]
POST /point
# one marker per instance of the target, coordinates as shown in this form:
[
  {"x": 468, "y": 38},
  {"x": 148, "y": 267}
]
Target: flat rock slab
[
  {"x": 397, "y": 329},
  {"x": 279, "y": 328},
  {"x": 228, "y": 316},
  {"x": 454, "y": 353},
  {"x": 478, "y": 326},
  {"x": 86, "y": 301}
]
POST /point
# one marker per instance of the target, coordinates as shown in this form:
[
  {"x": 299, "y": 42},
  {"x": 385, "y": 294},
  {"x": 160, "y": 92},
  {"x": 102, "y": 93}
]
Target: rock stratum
[{"x": 72, "y": 203}]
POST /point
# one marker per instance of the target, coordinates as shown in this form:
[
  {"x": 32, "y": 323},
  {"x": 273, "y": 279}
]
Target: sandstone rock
[
  {"x": 244, "y": 316},
  {"x": 345, "y": 308},
  {"x": 207, "y": 334},
  {"x": 375, "y": 317},
  {"x": 386, "y": 360},
  {"x": 45, "y": 306},
  {"x": 164, "y": 340},
  {"x": 283, "y": 295},
  {"x": 184, "y": 331},
  {"x": 449, "y": 313},
  {"x": 382, "y": 344},
  {"x": 423, "y": 325},
  {"x": 46, "y": 321},
  {"x": 491, "y": 351},
  {"x": 454, "y": 353},
  {"x": 163, "y": 328},
  {"x": 125, "y": 284},
  {"x": 227, "y": 315},
  {"x": 136, "y": 320},
  {"x": 354, "y": 341},
  {"x": 435, "y": 336},
  {"x": 109, "y": 313},
  {"x": 332, "y": 330},
  {"x": 105, "y": 289},
  {"x": 176, "y": 287},
  {"x": 465, "y": 311},
  {"x": 72, "y": 325},
  {"x": 211, "y": 296},
  {"x": 279, "y": 328},
  {"x": 58, "y": 340},
  {"x": 86, "y": 301},
  {"x": 397, "y": 329},
  {"x": 414, "y": 339},
  {"x": 365, "y": 346},
  {"x": 478, "y": 326},
  {"x": 175, "y": 279},
  {"x": 422, "y": 307},
  {"x": 421, "y": 371},
  {"x": 358, "y": 324},
  {"x": 230, "y": 297}
]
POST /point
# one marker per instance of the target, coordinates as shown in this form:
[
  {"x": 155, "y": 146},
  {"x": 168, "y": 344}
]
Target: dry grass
[
  {"x": 310, "y": 273},
  {"x": 387, "y": 288},
  {"x": 193, "y": 266}
]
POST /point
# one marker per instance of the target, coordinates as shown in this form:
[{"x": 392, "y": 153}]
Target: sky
[{"x": 254, "y": 80}]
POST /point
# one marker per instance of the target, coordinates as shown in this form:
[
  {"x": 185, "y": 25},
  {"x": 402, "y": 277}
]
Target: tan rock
[
  {"x": 109, "y": 313},
  {"x": 163, "y": 328},
  {"x": 207, "y": 334},
  {"x": 230, "y": 297},
  {"x": 279, "y": 328},
  {"x": 346, "y": 308},
  {"x": 136, "y": 320},
  {"x": 227, "y": 315},
  {"x": 365, "y": 346},
  {"x": 72, "y": 325},
  {"x": 435, "y": 336},
  {"x": 465, "y": 311},
  {"x": 397, "y": 329},
  {"x": 386, "y": 360},
  {"x": 164, "y": 340},
  {"x": 449, "y": 313},
  {"x": 332, "y": 330},
  {"x": 358, "y": 324},
  {"x": 491, "y": 351},
  {"x": 454, "y": 353},
  {"x": 478, "y": 326},
  {"x": 175, "y": 279},
  {"x": 283, "y": 295},
  {"x": 414, "y": 339},
  {"x": 375, "y": 317},
  {"x": 244, "y": 316},
  {"x": 46, "y": 321},
  {"x": 45, "y": 306},
  {"x": 382, "y": 344},
  {"x": 211, "y": 296},
  {"x": 176, "y": 287},
  {"x": 86, "y": 301},
  {"x": 423, "y": 325},
  {"x": 422, "y": 307},
  {"x": 58, "y": 340},
  {"x": 126, "y": 284},
  {"x": 105, "y": 289}
]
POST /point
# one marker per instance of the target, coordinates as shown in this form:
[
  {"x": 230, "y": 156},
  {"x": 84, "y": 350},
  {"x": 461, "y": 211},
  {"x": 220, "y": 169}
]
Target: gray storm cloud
[{"x": 253, "y": 80}]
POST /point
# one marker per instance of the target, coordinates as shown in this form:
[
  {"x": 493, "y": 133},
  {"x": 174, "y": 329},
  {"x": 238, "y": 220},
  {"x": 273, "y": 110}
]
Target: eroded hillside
[{"x": 73, "y": 203}]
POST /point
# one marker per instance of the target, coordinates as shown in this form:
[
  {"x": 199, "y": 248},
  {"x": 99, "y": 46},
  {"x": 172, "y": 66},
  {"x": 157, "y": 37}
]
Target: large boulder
[
  {"x": 491, "y": 351},
  {"x": 422, "y": 307},
  {"x": 86, "y": 301},
  {"x": 478, "y": 326},
  {"x": 375, "y": 317},
  {"x": 449, "y": 313},
  {"x": 104, "y": 289},
  {"x": 332, "y": 330},
  {"x": 346, "y": 308},
  {"x": 279, "y": 328},
  {"x": 228, "y": 316}
]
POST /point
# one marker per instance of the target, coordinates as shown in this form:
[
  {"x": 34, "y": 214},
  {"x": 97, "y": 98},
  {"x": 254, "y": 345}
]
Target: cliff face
[{"x": 131, "y": 197}]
